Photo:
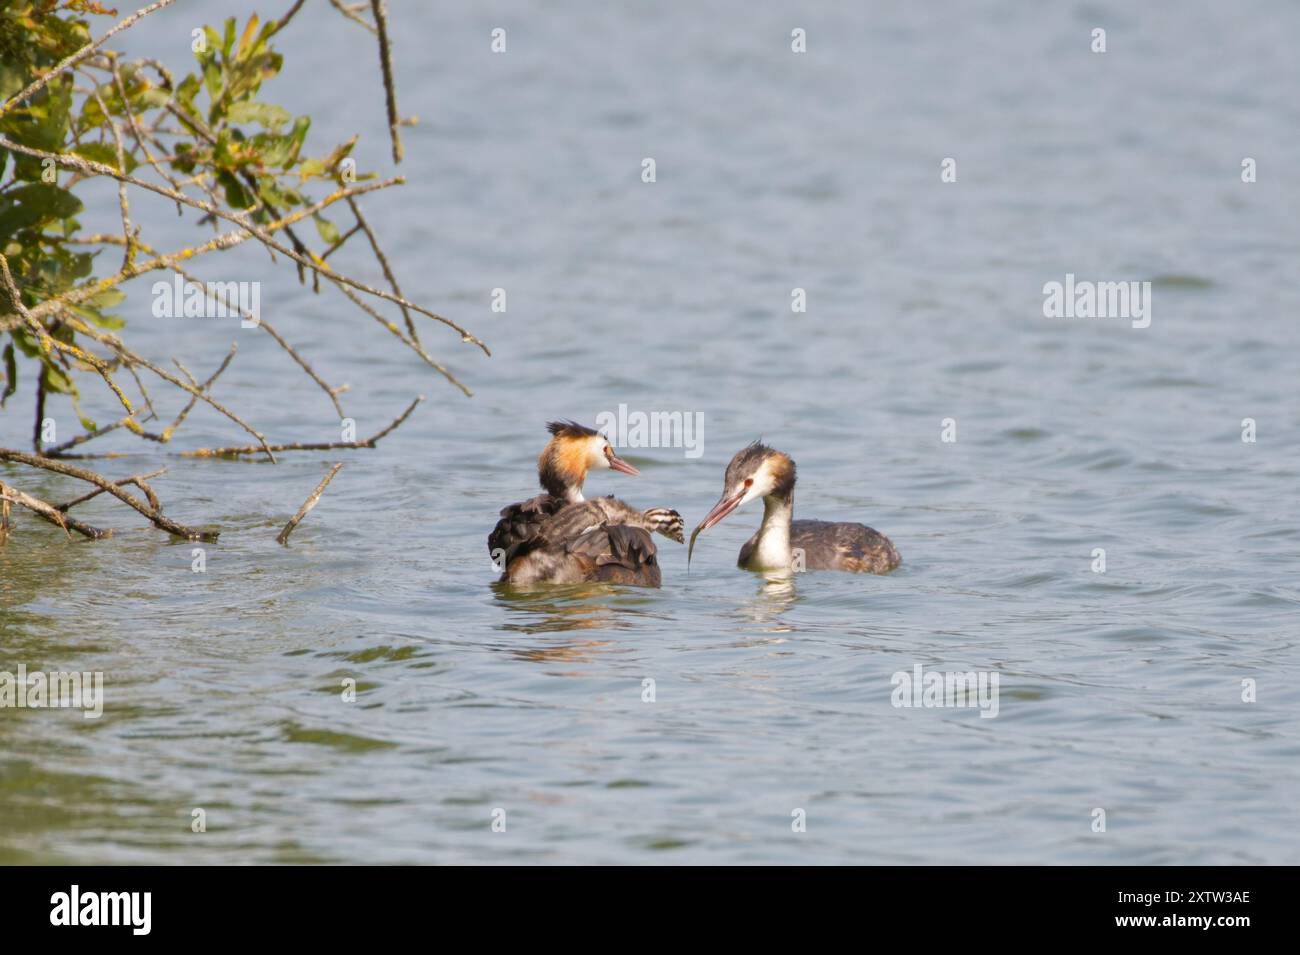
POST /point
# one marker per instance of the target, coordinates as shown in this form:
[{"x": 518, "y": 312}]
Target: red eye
[{"x": 749, "y": 482}]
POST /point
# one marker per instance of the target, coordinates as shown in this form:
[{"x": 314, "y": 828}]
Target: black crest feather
[
  {"x": 750, "y": 458},
  {"x": 570, "y": 429},
  {"x": 746, "y": 461}
]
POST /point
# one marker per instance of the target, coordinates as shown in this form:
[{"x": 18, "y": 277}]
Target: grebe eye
[{"x": 749, "y": 482}]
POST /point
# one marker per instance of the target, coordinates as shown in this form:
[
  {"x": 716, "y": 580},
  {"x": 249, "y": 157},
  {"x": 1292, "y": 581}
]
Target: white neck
[
  {"x": 573, "y": 495},
  {"x": 772, "y": 551}
]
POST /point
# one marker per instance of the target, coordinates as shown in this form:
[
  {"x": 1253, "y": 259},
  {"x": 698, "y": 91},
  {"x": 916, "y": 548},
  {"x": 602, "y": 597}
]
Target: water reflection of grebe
[{"x": 560, "y": 609}]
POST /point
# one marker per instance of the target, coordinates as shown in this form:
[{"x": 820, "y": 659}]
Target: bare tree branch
[
  {"x": 155, "y": 516},
  {"x": 386, "y": 65},
  {"x": 136, "y": 479},
  {"x": 283, "y": 537},
  {"x": 48, "y": 511},
  {"x": 369, "y": 442}
]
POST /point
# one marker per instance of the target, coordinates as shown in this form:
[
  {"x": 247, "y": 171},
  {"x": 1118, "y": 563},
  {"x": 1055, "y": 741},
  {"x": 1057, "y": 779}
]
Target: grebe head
[
  {"x": 755, "y": 471},
  {"x": 572, "y": 451}
]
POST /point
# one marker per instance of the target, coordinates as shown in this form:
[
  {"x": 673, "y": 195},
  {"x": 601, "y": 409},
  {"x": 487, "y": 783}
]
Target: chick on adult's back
[{"x": 559, "y": 537}]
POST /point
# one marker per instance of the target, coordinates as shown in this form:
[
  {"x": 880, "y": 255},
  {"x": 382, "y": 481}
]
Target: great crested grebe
[
  {"x": 760, "y": 471},
  {"x": 560, "y": 538}
]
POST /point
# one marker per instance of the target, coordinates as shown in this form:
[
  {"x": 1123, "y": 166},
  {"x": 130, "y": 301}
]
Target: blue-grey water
[{"x": 1121, "y": 691}]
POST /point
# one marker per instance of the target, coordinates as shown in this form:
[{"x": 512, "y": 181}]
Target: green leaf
[
  {"x": 47, "y": 118},
  {"x": 212, "y": 78},
  {"x": 12, "y": 80},
  {"x": 57, "y": 380},
  {"x": 214, "y": 42},
  {"x": 329, "y": 165},
  {"x": 111, "y": 322},
  {"x": 329, "y": 232},
  {"x": 228, "y": 41},
  {"x": 282, "y": 197},
  {"x": 267, "y": 115},
  {"x": 248, "y": 41},
  {"x": 23, "y": 339},
  {"x": 236, "y": 195},
  {"x": 98, "y": 152},
  {"x": 87, "y": 423},
  {"x": 107, "y": 298},
  {"x": 151, "y": 97},
  {"x": 34, "y": 204},
  {"x": 79, "y": 264},
  {"x": 184, "y": 159},
  {"x": 283, "y": 151},
  {"x": 106, "y": 154},
  {"x": 187, "y": 90}
]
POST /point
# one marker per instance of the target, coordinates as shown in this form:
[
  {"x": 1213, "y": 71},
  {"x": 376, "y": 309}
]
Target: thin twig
[
  {"x": 58, "y": 451},
  {"x": 386, "y": 65},
  {"x": 4, "y": 514},
  {"x": 203, "y": 389},
  {"x": 354, "y": 17},
  {"x": 369, "y": 442},
  {"x": 284, "y": 20},
  {"x": 50, "y": 513},
  {"x": 39, "y": 427},
  {"x": 136, "y": 479},
  {"x": 144, "y": 393},
  {"x": 122, "y": 203},
  {"x": 383, "y": 263},
  {"x": 224, "y": 240},
  {"x": 397, "y": 333},
  {"x": 307, "y": 505},
  {"x": 338, "y": 243}
]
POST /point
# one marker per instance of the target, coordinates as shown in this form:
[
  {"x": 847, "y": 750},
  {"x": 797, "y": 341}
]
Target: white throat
[{"x": 772, "y": 551}]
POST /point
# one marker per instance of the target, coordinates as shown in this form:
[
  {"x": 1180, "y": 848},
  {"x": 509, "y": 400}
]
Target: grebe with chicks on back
[{"x": 560, "y": 537}]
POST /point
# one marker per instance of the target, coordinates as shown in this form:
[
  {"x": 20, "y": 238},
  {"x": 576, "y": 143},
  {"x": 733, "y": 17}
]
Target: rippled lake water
[{"x": 1120, "y": 690}]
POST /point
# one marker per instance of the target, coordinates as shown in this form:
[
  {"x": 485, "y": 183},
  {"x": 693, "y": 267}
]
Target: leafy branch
[{"x": 73, "y": 110}]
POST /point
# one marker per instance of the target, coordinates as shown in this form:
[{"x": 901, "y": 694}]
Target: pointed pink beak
[
  {"x": 720, "y": 510},
  {"x": 622, "y": 467}
]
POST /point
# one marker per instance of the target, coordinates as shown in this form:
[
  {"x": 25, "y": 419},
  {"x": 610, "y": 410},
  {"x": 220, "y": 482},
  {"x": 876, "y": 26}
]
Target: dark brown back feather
[
  {"x": 522, "y": 522},
  {"x": 586, "y": 540},
  {"x": 843, "y": 546}
]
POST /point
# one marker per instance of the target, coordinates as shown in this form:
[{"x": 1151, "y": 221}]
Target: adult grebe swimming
[
  {"x": 760, "y": 471},
  {"x": 558, "y": 537}
]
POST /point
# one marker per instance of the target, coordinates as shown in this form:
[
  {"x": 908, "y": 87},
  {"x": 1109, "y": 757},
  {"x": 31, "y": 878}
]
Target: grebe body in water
[
  {"x": 762, "y": 472},
  {"x": 559, "y": 537}
]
